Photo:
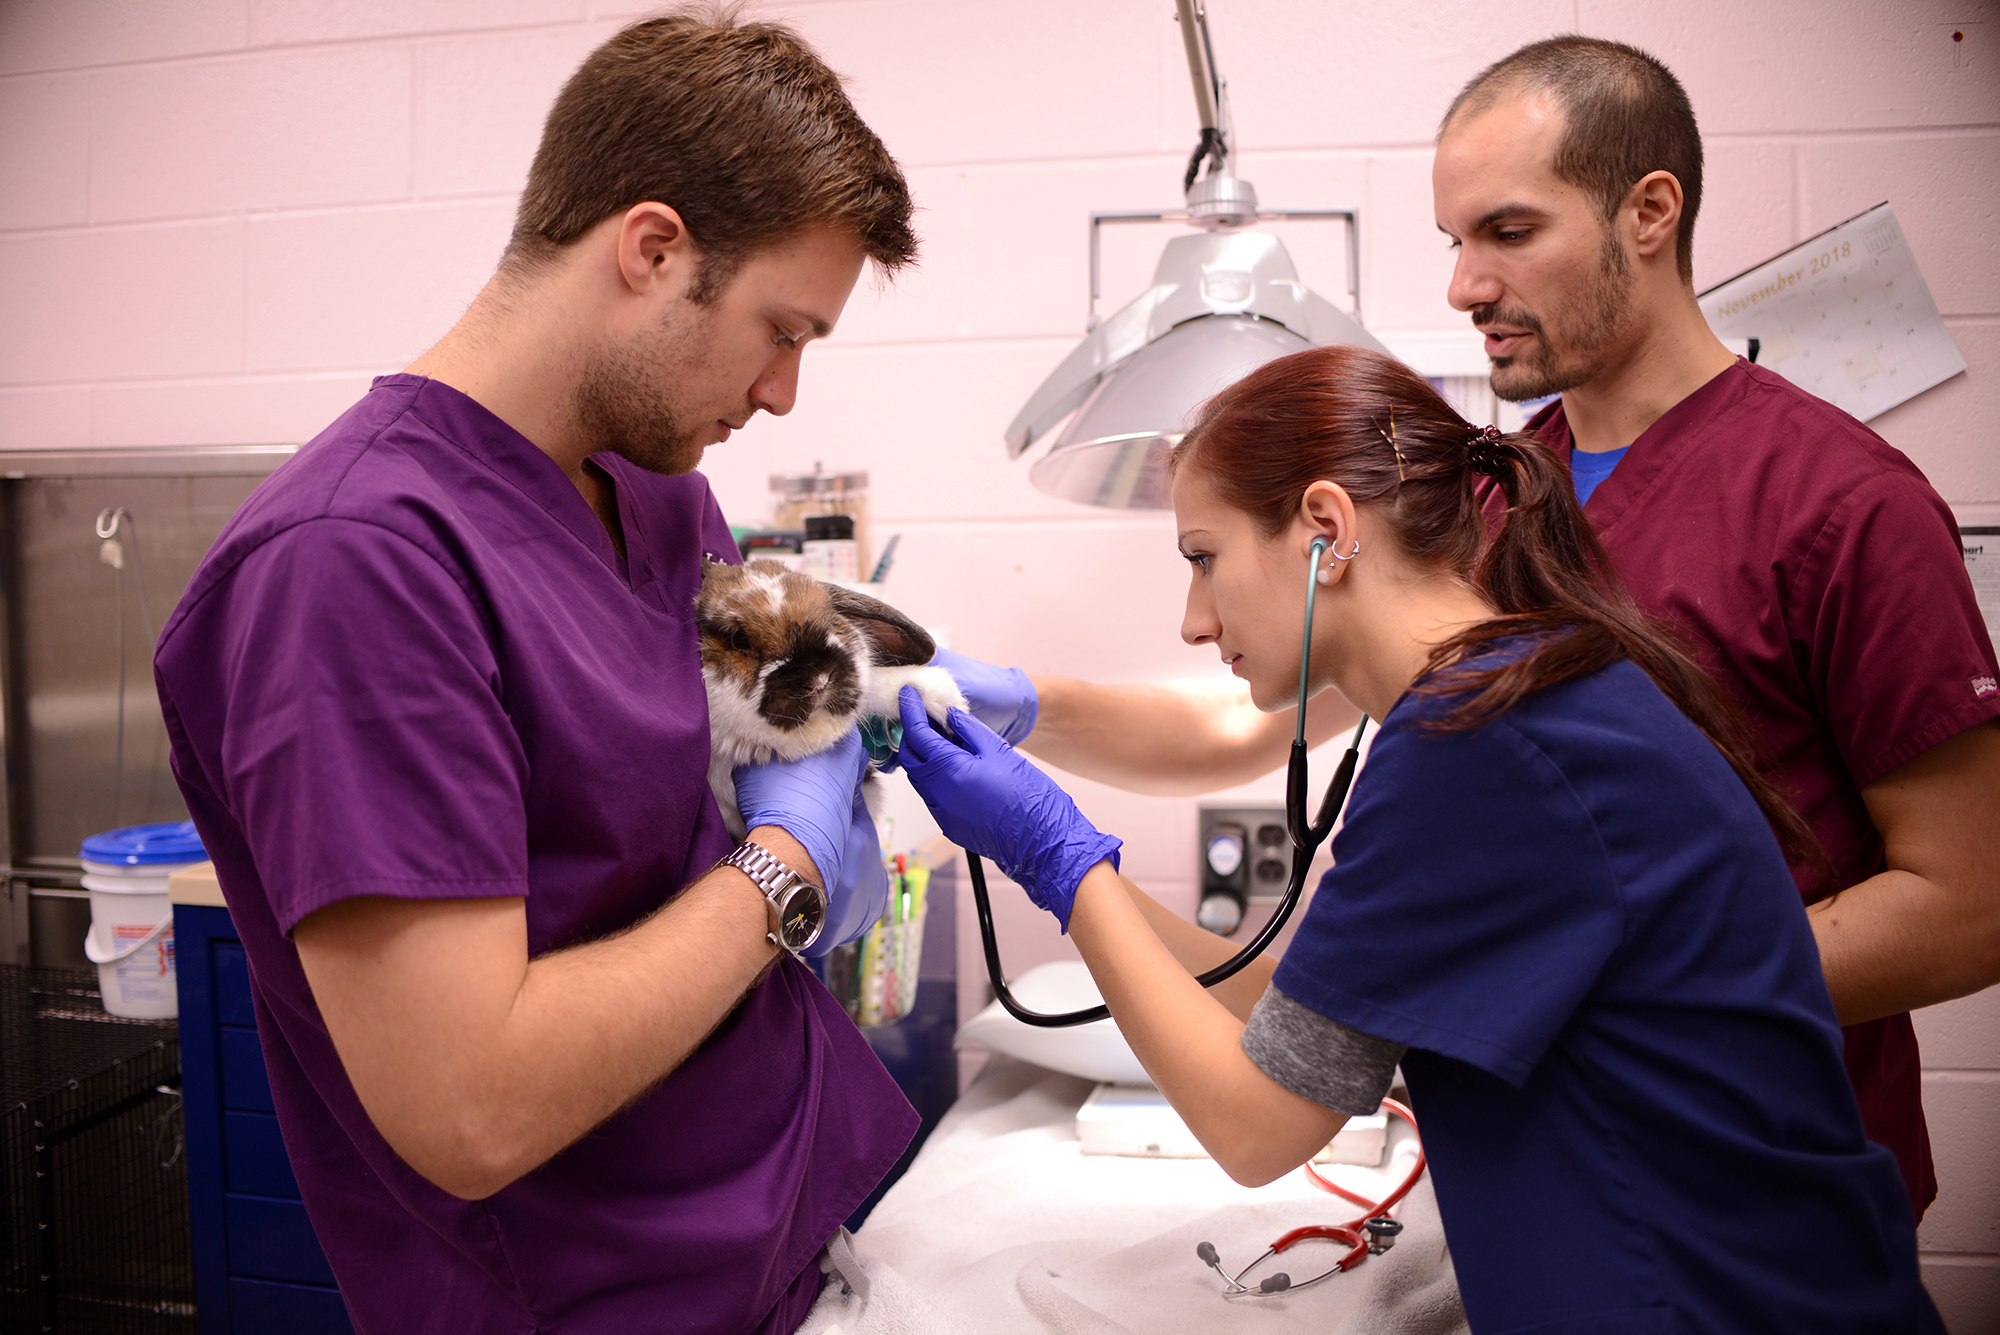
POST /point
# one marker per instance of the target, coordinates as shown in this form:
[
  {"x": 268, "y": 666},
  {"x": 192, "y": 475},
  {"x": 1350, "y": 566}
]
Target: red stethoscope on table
[{"x": 1369, "y": 1235}]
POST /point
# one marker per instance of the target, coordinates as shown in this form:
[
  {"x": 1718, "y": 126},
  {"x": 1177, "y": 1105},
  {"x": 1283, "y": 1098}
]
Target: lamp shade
[
  {"x": 1221, "y": 305},
  {"x": 1114, "y": 451}
]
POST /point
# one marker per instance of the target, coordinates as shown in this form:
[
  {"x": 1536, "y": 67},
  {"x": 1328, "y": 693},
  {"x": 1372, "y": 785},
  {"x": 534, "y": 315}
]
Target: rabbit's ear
[{"x": 893, "y": 639}]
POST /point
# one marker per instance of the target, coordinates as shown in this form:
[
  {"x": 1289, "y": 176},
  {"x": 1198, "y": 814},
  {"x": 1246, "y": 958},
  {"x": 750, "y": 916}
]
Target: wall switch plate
[{"x": 1242, "y": 852}]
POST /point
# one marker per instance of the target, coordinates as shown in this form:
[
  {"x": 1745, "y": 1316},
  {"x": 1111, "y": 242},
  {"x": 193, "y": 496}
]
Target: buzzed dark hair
[
  {"x": 739, "y": 127},
  {"x": 1626, "y": 115}
]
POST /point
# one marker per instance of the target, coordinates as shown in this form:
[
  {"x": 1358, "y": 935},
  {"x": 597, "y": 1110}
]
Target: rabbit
[{"x": 792, "y": 663}]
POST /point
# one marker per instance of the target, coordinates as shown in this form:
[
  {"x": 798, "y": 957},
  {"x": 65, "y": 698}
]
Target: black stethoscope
[{"x": 1306, "y": 840}]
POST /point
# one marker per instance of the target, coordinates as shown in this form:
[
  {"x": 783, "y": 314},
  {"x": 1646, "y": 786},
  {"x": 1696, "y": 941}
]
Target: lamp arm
[
  {"x": 1225, "y": 118},
  {"x": 1211, "y": 101},
  {"x": 1201, "y": 62}
]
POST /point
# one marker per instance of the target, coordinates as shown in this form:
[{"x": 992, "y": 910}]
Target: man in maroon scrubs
[
  {"x": 437, "y": 709},
  {"x": 1815, "y": 572}
]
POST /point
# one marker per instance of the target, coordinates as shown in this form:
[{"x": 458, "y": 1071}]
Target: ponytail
[
  {"x": 1379, "y": 430},
  {"x": 1548, "y": 576}
]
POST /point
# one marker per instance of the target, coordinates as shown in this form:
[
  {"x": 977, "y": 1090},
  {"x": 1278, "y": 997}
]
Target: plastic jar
[
  {"x": 830, "y": 551},
  {"x": 131, "y": 937},
  {"x": 797, "y": 497}
]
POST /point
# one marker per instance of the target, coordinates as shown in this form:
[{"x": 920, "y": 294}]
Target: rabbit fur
[{"x": 791, "y": 664}]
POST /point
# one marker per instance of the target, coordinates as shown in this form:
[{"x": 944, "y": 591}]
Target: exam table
[{"x": 1002, "y": 1226}]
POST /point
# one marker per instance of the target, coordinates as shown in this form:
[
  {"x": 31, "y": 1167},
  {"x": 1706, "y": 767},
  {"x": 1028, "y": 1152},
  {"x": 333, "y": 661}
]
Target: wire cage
[{"x": 94, "y": 1236}]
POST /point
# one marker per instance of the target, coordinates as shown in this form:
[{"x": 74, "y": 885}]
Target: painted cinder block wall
[{"x": 219, "y": 218}]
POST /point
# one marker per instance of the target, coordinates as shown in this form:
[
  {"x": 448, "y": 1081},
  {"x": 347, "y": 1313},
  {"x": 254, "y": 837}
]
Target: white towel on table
[{"x": 1001, "y": 1227}]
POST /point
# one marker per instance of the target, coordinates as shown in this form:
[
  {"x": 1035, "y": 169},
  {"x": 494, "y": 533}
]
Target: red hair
[{"x": 1376, "y": 428}]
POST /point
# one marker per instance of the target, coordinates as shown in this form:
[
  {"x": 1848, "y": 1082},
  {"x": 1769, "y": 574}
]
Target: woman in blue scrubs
[{"x": 1560, "y": 897}]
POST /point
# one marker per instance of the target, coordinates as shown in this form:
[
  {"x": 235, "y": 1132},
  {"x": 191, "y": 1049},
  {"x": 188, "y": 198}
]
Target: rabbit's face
[{"x": 785, "y": 669}]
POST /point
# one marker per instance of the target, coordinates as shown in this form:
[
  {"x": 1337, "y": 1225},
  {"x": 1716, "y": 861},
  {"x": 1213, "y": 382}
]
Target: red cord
[{"x": 1371, "y": 1208}]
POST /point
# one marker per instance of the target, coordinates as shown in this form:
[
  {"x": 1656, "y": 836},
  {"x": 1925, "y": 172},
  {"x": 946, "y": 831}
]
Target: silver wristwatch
[{"x": 798, "y": 907}]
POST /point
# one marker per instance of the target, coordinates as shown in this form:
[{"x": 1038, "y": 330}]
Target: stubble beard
[
  {"x": 623, "y": 403},
  {"x": 1589, "y": 331}
]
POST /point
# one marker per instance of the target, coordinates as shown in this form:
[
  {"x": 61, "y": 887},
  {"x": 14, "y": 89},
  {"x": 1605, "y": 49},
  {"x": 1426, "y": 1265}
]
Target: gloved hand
[
  {"x": 989, "y": 799},
  {"x": 857, "y": 901},
  {"x": 1001, "y": 698},
  {"x": 812, "y": 799}
]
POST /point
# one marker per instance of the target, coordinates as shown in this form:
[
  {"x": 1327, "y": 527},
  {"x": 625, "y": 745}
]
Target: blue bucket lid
[{"x": 146, "y": 845}]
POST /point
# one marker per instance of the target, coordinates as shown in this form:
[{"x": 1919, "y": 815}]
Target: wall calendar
[{"x": 1845, "y": 316}]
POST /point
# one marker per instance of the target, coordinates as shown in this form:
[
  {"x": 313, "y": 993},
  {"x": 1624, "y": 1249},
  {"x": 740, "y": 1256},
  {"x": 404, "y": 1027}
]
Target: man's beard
[
  {"x": 622, "y": 403},
  {"x": 1588, "y": 331}
]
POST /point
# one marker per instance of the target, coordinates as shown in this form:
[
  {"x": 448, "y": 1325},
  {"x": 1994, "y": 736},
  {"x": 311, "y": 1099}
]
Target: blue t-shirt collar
[{"x": 1587, "y": 469}]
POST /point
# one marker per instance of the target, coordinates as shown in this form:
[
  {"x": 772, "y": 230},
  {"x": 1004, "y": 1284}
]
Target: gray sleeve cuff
[{"x": 1320, "y": 1059}]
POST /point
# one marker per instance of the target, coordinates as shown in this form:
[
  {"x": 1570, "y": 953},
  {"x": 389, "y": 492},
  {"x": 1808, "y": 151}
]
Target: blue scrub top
[{"x": 1623, "y": 1054}]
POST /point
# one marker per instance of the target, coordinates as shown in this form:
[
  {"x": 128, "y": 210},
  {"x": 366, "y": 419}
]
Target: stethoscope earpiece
[{"x": 1323, "y": 574}]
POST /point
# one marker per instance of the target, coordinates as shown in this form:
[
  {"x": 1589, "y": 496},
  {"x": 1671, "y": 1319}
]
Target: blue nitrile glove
[
  {"x": 853, "y": 906},
  {"x": 812, "y": 799},
  {"x": 1001, "y": 698},
  {"x": 987, "y": 798}
]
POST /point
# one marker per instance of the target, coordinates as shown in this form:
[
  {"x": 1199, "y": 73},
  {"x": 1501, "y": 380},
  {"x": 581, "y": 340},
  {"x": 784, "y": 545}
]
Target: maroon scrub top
[
  {"x": 1820, "y": 580},
  {"x": 414, "y": 665}
]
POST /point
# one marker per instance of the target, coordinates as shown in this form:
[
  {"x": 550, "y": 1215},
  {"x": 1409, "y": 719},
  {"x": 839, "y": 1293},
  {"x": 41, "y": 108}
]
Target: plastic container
[
  {"x": 131, "y": 937},
  {"x": 875, "y": 978},
  {"x": 830, "y": 551},
  {"x": 785, "y": 546},
  {"x": 797, "y": 497}
]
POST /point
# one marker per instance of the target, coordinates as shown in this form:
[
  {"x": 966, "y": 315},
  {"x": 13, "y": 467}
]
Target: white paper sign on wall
[
  {"x": 1981, "y": 544},
  {"x": 1845, "y": 316}
]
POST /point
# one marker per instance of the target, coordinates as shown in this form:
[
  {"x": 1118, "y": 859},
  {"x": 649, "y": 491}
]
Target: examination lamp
[{"x": 1223, "y": 302}]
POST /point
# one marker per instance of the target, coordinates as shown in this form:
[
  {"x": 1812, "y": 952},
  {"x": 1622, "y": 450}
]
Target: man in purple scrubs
[{"x": 436, "y": 707}]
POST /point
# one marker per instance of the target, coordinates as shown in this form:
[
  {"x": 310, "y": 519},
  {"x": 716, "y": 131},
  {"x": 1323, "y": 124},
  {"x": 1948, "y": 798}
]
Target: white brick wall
[{"x": 219, "y": 218}]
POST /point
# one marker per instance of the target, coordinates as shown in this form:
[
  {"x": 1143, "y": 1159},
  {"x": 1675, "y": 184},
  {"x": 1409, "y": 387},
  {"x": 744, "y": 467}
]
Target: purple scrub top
[{"x": 414, "y": 665}]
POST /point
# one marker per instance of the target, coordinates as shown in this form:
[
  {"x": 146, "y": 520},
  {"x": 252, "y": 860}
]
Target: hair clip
[{"x": 1390, "y": 436}]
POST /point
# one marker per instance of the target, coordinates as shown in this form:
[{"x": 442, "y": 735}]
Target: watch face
[{"x": 801, "y": 916}]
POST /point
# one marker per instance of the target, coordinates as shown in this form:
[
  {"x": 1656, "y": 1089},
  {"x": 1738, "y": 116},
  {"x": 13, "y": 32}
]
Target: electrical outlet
[{"x": 1242, "y": 856}]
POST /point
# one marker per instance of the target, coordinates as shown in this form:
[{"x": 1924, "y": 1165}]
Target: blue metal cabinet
[{"x": 258, "y": 1267}]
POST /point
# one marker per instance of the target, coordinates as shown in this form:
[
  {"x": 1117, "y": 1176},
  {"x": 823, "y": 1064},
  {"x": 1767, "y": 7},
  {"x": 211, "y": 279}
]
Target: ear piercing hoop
[{"x": 1325, "y": 576}]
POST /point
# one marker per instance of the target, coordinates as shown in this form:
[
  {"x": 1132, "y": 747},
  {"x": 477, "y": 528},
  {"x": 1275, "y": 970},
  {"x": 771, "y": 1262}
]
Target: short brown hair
[
  {"x": 1625, "y": 115},
  {"x": 739, "y": 127}
]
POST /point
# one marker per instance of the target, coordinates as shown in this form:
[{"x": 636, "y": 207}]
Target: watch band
[{"x": 775, "y": 881}]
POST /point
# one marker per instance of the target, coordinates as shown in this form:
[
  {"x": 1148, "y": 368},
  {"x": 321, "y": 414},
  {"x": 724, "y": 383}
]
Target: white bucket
[
  {"x": 131, "y": 940},
  {"x": 131, "y": 937}
]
